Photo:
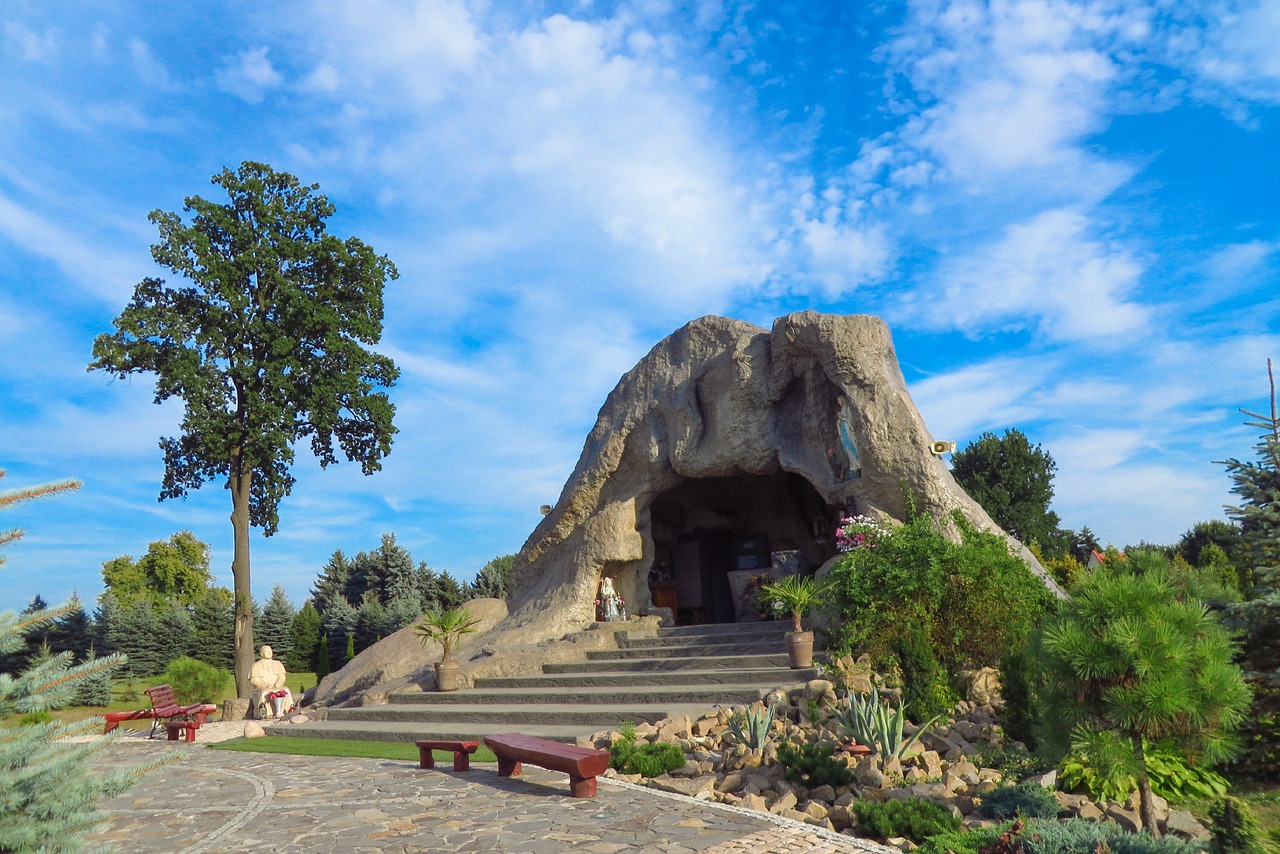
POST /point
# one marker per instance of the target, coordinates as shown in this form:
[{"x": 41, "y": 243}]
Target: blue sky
[{"x": 1066, "y": 211}]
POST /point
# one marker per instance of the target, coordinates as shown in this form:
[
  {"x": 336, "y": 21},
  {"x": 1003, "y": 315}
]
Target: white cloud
[
  {"x": 1239, "y": 50},
  {"x": 249, "y": 75},
  {"x": 995, "y": 394},
  {"x": 1045, "y": 274}
]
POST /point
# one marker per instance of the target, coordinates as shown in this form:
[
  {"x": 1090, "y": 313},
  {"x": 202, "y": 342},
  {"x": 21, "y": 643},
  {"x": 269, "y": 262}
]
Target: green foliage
[
  {"x": 1126, "y": 661},
  {"x": 925, "y": 692},
  {"x": 1258, "y": 486},
  {"x": 193, "y": 681},
  {"x": 265, "y": 344},
  {"x": 322, "y": 659},
  {"x": 42, "y": 716},
  {"x": 973, "y": 599},
  {"x": 976, "y": 841},
  {"x": 213, "y": 627},
  {"x": 494, "y": 578},
  {"x": 446, "y": 627},
  {"x": 304, "y": 640},
  {"x": 174, "y": 569},
  {"x": 1260, "y": 735},
  {"x": 273, "y": 628},
  {"x": 1077, "y": 836},
  {"x": 1020, "y": 800},
  {"x": 813, "y": 764},
  {"x": 1013, "y": 482},
  {"x": 1234, "y": 830},
  {"x": 796, "y": 594},
  {"x": 752, "y": 726},
  {"x": 95, "y": 688},
  {"x": 871, "y": 722},
  {"x": 1021, "y": 706},
  {"x": 647, "y": 760},
  {"x": 1013, "y": 763},
  {"x": 1172, "y": 778},
  {"x": 913, "y": 818},
  {"x": 351, "y": 649}
]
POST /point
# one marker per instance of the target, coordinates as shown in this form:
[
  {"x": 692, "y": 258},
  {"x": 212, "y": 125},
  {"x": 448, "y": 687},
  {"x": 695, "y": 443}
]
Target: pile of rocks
[{"x": 943, "y": 767}]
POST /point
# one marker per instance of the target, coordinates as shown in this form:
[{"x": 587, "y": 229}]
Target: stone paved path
[{"x": 215, "y": 801}]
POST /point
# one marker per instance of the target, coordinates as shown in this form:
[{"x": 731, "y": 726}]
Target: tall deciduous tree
[
  {"x": 265, "y": 345},
  {"x": 1128, "y": 662},
  {"x": 177, "y": 568},
  {"x": 1013, "y": 481}
]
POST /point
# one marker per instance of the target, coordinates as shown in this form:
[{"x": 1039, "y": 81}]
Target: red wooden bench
[
  {"x": 582, "y": 764},
  {"x": 164, "y": 708},
  {"x": 461, "y": 751},
  {"x": 176, "y": 727}
]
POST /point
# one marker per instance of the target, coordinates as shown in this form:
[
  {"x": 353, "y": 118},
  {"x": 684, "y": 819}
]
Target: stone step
[
  {"x": 637, "y": 664},
  {"x": 588, "y": 717},
  {"x": 771, "y": 640},
  {"x": 411, "y": 731},
  {"x": 765, "y": 677},
  {"x": 512, "y": 697},
  {"x": 770, "y": 627},
  {"x": 676, "y": 652}
]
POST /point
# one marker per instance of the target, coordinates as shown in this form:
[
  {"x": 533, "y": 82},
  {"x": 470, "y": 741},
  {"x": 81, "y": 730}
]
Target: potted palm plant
[
  {"x": 446, "y": 627},
  {"x": 797, "y": 594}
]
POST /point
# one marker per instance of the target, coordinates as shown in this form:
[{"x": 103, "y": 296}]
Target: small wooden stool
[
  {"x": 461, "y": 751},
  {"x": 175, "y": 727}
]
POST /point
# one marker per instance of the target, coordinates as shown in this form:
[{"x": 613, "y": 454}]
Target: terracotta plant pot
[
  {"x": 800, "y": 648},
  {"x": 447, "y": 675}
]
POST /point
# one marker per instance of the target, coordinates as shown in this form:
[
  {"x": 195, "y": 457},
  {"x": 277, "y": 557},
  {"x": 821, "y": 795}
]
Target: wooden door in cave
[{"x": 702, "y": 563}]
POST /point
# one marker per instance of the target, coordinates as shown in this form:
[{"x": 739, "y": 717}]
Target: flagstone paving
[{"x": 214, "y": 801}]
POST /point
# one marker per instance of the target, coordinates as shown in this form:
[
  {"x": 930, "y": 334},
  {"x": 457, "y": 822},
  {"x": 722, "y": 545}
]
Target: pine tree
[
  {"x": 493, "y": 579},
  {"x": 277, "y": 618},
  {"x": 304, "y": 640},
  {"x": 339, "y": 622},
  {"x": 1127, "y": 661},
  {"x": 95, "y": 688},
  {"x": 73, "y": 633},
  {"x": 1258, "y": 485},
  {"x": 371, "y": 622},
  {"x": 452, "y": 594},
  {"x": 47, "y": 790},
  {"x": 331, "y": 586}
]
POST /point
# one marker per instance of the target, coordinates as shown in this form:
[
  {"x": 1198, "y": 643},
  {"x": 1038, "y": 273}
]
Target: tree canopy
[
  {"x": 177, "y": 568},
  {"x": 1013, "y": 481},
  {"x": 265, "y": 344}
]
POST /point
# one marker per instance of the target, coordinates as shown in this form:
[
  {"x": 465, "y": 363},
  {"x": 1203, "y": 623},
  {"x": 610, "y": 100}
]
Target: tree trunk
[
  {"x": 241, "y": 479},
  {"x": 1146, "y": 804}
]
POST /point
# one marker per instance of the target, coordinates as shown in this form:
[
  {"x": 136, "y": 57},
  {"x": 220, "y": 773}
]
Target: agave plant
[
  {"x": 752, "y": 726},
  {"x": 871, "y": 722}
]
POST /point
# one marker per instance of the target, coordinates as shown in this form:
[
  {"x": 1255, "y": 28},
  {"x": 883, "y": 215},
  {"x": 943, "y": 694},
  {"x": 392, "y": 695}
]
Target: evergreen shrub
[
  {"x": 925, "y": 692},
  {"x": 913, "y": 818},
  {"x": 647, "y": 760},
  {"x": 963, "y": 841},
  {"x": 193, "y": 681},
  {"x": 1020, "y": 800},
  {"x": 1235, "y": 830},
  {"x": 813, "y": 764},
  {"x": 40, "y": 716},
  {"x": 1077, "y": 836}
]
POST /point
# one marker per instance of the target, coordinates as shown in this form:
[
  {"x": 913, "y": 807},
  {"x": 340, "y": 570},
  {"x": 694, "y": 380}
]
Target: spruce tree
[
  {"x": 339, "y": 622},
  {"x": 322, "y": 658},
  {"x": 493, "y": 579},
  {"x": 47, "y": 788},
  {"x": 95, "y": 688},
  {"x": 304, "y": 640},
  {"x": 331, "y": 586},
  {"x": 451, "y": 593},
  {"x": 277, "y": 618},
  {"x": 213, "y": 624},
  {"x": 1258, "y": 485}
]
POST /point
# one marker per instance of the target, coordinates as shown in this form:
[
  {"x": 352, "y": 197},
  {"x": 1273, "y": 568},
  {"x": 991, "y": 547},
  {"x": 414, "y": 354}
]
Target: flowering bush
[{"x": 859, "y": 532}]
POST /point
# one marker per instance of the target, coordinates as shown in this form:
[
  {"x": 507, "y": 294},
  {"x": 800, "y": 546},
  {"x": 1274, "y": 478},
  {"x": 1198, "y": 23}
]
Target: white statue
[
  {"x": 267, "y": 678},
  {"x": 610, "y": 601}
]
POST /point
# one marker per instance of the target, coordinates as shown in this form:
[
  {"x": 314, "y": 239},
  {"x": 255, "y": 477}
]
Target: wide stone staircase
[{"x": 684, "y": 670}]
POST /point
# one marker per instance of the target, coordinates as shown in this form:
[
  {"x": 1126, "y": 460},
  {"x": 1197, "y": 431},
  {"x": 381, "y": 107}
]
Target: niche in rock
[{"x": 711, "y": 535}]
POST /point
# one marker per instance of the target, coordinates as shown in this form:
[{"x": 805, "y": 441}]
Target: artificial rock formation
[{"x": 725, "y": 426}]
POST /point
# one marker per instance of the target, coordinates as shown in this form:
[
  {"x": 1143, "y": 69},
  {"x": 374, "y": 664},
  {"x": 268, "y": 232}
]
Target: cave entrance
[{"x": 713, "y": 535}]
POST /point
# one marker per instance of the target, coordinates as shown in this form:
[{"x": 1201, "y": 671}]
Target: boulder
[
  {"x": 981, "y": 687},
  {"x": 253, "y": 729},
  {"x": 1185, "y": 826}
]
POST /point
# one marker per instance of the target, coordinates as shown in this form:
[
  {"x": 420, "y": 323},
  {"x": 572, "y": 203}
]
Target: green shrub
[
  {"x": 647, "y": 760},
  {"x": 925, "y": 692},
  {"x": 1013, "y": 763},
  {"x": 193, "y": 681},
  {"x": 1020, "y": 707},
  {"x": 913, "y": 818},
  {"x": 1077, "y": 836},
  {"x": 40, "y": 716},
  {"x": 1021, "y": 800},
  {"x": 1171, "y": 778},
  {"x": 961, "y": 841},
  {"x": 1235, "y": 830},
  {"x": 813, "y": 764}
]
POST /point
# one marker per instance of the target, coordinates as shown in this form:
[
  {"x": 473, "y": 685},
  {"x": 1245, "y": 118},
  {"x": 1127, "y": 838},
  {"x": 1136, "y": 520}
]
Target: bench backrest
[{"x": 162, "y": 698}]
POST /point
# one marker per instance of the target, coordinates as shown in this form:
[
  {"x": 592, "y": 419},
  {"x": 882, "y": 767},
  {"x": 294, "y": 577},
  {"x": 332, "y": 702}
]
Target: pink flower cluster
[{"x": 859, "y": 532}]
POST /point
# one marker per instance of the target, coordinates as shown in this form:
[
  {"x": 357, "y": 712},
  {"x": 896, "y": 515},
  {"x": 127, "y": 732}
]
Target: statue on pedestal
[{"x": 267, "y": 678}]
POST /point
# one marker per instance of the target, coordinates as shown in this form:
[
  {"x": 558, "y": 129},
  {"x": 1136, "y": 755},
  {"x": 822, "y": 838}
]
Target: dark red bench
[
  {"x": 461, "y": 751},
  {"x": 164, "y": 708},
  {"x": 582, "y": 764},
  {"x": 187, "y": 727}
]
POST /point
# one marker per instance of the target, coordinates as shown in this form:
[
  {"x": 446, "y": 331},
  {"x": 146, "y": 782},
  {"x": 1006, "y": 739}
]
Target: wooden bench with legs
[
  {"x": 461, "y": 751},
  {"x": 582, "y": 764},
  {"x": 164, "y": 709}
]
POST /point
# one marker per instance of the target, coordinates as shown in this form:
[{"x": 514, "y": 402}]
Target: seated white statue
[{"x": 267, "y": 678}]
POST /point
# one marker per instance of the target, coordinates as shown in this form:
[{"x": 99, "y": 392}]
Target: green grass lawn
[{"x": 340, "y": 747}]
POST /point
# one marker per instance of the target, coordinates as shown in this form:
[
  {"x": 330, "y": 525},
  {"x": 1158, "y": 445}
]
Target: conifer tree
[
  {"x": 1258, "y": 485},
  {"x": 47, "y": 790},
  {"x": 95, "y": 688},
  {"x": 322, "y": 658},
  {"x": 339, "y": 622},
  {"x": 493, "y": 579},
  {"x": 213, "y": 624},
  {"x": 277, "y": 618},
  {"x": 451, "y": 593},
  {"x": 331, "y": 586},
  {"x": 304, "y": 640}
]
